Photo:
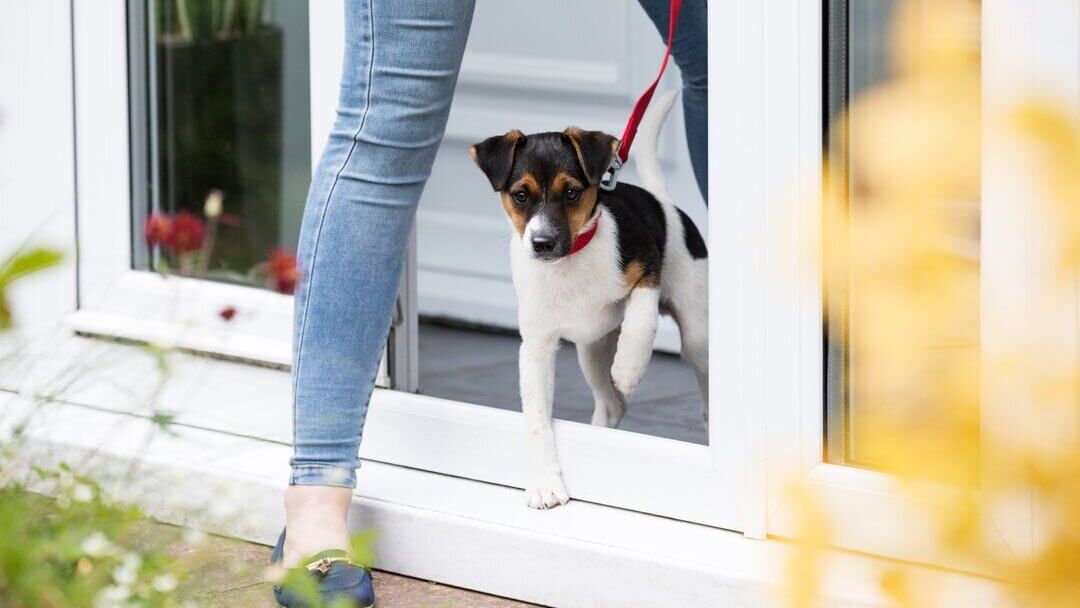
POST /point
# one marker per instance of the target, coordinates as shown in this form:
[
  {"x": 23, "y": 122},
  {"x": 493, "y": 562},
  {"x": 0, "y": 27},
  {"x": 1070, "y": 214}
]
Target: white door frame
[{"x": 638, "y": 472}]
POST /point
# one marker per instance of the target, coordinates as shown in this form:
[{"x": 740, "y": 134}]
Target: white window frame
[
  {"x": 627, "y": 470},
  {"x": 114, "y": 299},
  {"x": 767, "y": 402},
  {"x": 872, "y": 511}
]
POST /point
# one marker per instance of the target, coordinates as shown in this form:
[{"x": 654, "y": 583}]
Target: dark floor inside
[{"x": 476, "y": 366}]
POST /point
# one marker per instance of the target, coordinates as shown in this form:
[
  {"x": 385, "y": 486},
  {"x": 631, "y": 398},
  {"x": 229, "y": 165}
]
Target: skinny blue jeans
[
  {"x": 400, "y": 69},
  {"x": 690, "y": 50}
]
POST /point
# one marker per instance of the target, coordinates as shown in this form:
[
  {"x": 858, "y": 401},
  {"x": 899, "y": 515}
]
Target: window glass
[
  {"x": 861, "y": 73},
  {"x": 221, "y": 138}
]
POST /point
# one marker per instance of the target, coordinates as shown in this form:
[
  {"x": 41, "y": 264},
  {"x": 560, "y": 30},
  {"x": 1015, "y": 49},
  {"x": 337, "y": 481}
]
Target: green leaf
[
  {"x": 362, "y": 547},
  {"x": 23, "y": 263},
  {"x": 160, "y": 354},
  {"x": 162, "y": 266},
  {"x": 163, "y": 419},
  {"x": 297, "y": 581},
  {"x": 5, "y": 313}
]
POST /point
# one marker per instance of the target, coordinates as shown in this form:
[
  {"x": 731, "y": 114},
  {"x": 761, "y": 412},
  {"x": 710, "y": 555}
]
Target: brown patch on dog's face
[
  {"x": 547, "y": 194},
  {"x": 528, "y": 184},
  {"x": 579, "y": 211},
  {"x": 564, "y": 181},
  {"x": 518, "y": 214},
  {"x": 634, "y": 275},
  {"x": 517, "y": 217}
]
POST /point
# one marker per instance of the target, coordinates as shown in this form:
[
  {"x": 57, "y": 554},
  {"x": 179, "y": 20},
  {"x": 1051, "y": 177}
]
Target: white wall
[{"x": 37, "y": 171}]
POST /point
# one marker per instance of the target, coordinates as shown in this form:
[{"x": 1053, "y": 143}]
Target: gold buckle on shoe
[{"x": 322, "y": 566}]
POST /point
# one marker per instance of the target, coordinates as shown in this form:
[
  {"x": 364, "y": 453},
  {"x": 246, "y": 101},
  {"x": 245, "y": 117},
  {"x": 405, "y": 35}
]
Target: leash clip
[{"x": 610, "y": 178}]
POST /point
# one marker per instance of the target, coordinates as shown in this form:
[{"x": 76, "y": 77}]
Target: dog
[{"x": 596, "y": 268}]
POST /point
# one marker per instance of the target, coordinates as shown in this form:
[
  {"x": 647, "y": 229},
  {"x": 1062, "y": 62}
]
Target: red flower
[
  {"x": 283, "y": 271},
  {"x": 281, "y": 261},
  {"x": 286, "y": 283},
  {"x": 187, "y": 232},
  {"x": 158, "y": 229},
  {"x": 227, "y": 313}
]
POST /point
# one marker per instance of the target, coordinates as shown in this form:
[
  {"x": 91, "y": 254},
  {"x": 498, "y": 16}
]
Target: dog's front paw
[
  {"x": 546, "y": 491},
  {"x": 626, "y": 376}
]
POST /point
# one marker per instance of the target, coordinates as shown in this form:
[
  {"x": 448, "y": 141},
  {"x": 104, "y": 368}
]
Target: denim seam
[{"x": 326, "y": 206}]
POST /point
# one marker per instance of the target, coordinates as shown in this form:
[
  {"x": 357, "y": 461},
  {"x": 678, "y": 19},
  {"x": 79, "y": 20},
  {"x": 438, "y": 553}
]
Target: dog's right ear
[{"x": 495, "y": 157}]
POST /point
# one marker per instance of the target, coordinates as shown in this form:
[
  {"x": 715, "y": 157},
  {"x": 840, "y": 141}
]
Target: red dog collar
[{"x": 583, "y": 239}]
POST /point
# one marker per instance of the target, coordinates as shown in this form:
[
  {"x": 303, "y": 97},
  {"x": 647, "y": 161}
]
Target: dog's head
[{"x": 548, "y": 182}]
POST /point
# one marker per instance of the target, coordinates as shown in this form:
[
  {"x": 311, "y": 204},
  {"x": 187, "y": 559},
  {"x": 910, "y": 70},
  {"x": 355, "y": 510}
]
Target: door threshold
[{"x": 442, "y": 528}]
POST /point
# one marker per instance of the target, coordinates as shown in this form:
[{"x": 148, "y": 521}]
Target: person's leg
[
  {"x": 401, "y": 66},
  {"x": 690, "y": 50}
]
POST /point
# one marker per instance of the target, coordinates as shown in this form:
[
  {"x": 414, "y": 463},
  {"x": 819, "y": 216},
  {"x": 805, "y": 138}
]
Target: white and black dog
[{"x": 594, "y": 267}]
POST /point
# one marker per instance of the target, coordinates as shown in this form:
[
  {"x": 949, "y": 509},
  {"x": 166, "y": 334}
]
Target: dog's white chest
[{"x": 579, "y": 298}]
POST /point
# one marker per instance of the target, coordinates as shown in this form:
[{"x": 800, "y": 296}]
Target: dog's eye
[
  {"x": 572, "y": 194},
  {"x": 521, "y": 196}
]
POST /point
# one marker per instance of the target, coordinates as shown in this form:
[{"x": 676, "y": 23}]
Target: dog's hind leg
[
  {"x": 595, "y": 360},
  {"x": 694, "y": 331},
  {"x": 699, "y": 360}
]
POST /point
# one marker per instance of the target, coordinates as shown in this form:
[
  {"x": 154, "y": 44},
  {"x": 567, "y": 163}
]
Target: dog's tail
[{"x": 646, "y": 160}]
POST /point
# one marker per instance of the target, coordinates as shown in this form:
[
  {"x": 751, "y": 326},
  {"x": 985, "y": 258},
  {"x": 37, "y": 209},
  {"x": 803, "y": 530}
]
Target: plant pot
[{"x": 219, "y": 104}]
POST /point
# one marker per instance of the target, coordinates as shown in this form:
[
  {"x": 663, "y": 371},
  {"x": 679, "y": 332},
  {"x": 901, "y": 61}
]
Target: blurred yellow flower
[{"x": 902, "y": 247}]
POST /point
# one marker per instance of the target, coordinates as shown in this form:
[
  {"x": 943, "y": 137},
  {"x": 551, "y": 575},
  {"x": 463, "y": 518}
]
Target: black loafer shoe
[{"x": 336, "y": 574}]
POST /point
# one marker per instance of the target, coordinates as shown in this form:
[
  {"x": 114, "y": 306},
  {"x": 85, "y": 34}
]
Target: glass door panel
[
  {"x": 220, "y": 138},
  {"x": 860, "y": 63},
  {"x": 515, "y": 79}
]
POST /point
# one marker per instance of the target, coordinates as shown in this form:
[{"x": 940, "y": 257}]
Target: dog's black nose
[{"x": 543, "y": 243}]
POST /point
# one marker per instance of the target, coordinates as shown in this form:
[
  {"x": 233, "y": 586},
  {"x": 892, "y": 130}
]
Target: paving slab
[
  {"x": 391, "y": 591},
  {"x": 232, "y": 574}
]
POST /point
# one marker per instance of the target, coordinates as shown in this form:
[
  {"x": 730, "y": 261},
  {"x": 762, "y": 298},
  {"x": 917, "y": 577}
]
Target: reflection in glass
[{"x": 224, "y": 140}]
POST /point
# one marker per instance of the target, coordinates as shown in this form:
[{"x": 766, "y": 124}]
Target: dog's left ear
[
  {"x": 595, "y": 150},
  {"x": 495, "y": 157}
]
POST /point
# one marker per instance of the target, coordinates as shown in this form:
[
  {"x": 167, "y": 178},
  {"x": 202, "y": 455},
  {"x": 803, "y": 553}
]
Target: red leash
[
  {"x": 611, "y": 176},
  {"x": 642, "y": 103},
  {"x": 583, "y": 239}
]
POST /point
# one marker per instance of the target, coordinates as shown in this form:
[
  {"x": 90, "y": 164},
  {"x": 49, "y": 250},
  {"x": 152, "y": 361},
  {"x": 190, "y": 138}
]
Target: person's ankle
[{"x": 315, "y": 521}]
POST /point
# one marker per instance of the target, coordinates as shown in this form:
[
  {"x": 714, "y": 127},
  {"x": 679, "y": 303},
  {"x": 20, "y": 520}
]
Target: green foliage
[
  {"x": 27, "y": 262},
  {"x": 22, "y": 263},
  {"x": 76, "y": 549},
  {"x": 64, "y": 543},
  {"x": 362, "y": 547},
  {"x": 161, "y": 356},
  {"x": 207, "y": 19}
]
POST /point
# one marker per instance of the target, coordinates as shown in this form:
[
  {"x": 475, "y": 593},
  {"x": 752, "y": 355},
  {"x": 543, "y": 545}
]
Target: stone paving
[
  {"x": 234, "y": 576},
  {"x": 478, "y": 367}
]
